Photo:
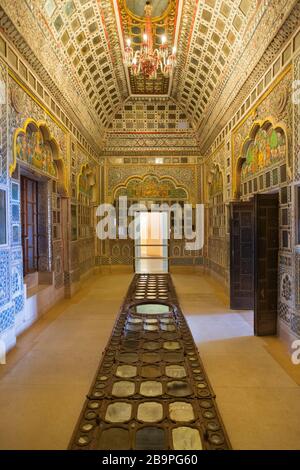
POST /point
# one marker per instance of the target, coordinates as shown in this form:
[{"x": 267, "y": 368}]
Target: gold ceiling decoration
[
  {"x": 133, "y": 26},
  {"x": 79, "y": 45},
  {"x": 160, "y": 9}
]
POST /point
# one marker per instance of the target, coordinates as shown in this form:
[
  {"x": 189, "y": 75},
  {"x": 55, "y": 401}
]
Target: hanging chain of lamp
[{"x": 147, "y": 61}]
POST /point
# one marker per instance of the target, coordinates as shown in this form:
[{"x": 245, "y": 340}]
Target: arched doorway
[
  {"x": 41, "y": 170},
  {"x": 255, "y": 226},
  {"x": 155, "y": 200}
]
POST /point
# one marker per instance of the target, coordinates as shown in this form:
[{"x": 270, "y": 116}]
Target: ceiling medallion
[{"x": 147, "y": 61}]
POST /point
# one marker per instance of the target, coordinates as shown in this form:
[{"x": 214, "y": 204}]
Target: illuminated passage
[{"x": 151, "y": 391}]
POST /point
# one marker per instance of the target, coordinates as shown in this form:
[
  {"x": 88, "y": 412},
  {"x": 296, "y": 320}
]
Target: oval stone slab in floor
[
  {"x": 150, "y": 438},
  {"x": 185, "y": 438},
  {"x": 123, "y": 389},
  {"x": 151, "y": 389},
  {"x": 151, "y": 371},
  {"x": 179, "y": 389},
  {"x": 126, "y": 371},
  {"x": 128, "y": 357},
  {"x": 114, "y": 439},
  {"x": 118, "y": 412},
  {"x": 181, "y": 411},
  {"x": 150, "y": 412},
  {"x": 175, "y": 371}
]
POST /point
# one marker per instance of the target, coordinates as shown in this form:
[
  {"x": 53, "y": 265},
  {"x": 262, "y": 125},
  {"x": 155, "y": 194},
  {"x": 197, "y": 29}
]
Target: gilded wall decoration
[
  {"x": 86, "y": 181},
  {"x": 266, "y": 113},
  {"x": 267, "y": 108},
  {"x": 151, "y": 187},
  {"x": 24, "y": 107},
  {"x": 265, "y": 39},
  {"x": 216, "y": 242},
  {"x": 296, "y": 109},
  {"x": 182, "y": 175},
  {"x": 214, "y": 163},
  {"x": 34, "y": 148},
  {"x": 216, "y": 184},
  {"x": 267, "y": 148}
]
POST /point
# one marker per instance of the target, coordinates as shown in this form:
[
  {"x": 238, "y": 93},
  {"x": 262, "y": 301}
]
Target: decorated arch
[
  {"x": 264, "y": 148},
  {"x": 35, "y": 147},
  {"x": 86, "y": 182},
  {"x": 151, "y": 187}
]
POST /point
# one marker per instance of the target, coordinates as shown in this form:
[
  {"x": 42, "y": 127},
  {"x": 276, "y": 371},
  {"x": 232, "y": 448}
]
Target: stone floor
[
  {"x": 257, "y": 386},
  {"x": 43, "y": 385}
]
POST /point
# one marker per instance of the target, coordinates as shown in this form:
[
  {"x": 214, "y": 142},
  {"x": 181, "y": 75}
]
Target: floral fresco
[
  {"x": 267, "y": 149},
  {"x": 32, "y": 148}
]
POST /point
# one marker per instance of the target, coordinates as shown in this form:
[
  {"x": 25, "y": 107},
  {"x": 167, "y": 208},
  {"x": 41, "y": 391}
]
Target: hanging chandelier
[{"x": 148, "y": 61}]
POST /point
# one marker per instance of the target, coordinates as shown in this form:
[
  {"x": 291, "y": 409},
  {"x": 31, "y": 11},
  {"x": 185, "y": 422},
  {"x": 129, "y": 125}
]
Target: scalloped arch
[
  {"x": 157, "y": 188},
  {"x": 89, "y": 182},
  {"x": 257, "y": 126},
  {"x": 57, "y": 161}
]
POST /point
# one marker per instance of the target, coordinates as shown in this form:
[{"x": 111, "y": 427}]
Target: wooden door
[
  {"x": 266, "y": 264},
  {"x": 29, "y": 224},
  {"x": 242, "y": 256}
]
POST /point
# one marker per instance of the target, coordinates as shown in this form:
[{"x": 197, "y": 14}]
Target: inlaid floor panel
[{"x": 151, "y": 391}]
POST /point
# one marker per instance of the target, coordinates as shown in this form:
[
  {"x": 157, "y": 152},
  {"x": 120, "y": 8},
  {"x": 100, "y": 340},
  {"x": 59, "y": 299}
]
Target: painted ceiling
[{"x": 81, "y": 43}]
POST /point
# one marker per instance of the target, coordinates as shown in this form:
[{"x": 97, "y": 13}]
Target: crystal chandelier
[{"x": 146, "y": 60}]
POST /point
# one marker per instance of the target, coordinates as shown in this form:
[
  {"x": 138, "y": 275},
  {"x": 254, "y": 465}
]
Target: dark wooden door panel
[
  {"x": 266, "y": 261},
  {"x": 29, "y": 224},
  {"x": 242, "y": 256}
]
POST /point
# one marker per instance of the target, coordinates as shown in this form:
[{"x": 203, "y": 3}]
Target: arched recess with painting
[
  {"x": 261, "y": 176},
  {"x": 38, "y": 167}
]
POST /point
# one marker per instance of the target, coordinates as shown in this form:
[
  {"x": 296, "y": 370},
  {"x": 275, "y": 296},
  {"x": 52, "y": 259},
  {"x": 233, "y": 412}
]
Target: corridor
[{"x": 48, "y": 374}]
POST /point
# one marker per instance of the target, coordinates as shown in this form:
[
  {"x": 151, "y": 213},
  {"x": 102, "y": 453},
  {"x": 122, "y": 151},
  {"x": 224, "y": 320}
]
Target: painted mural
[
  {"x": 152, "y": 188},
  {"x": 267, "y": 149},
  {"x": 32, "y": 148}
]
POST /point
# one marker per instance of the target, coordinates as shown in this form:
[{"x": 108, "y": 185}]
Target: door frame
[
  {"x": 24, "y": 223},
  {"x": 238, "y": 304},
  {"x": 253, "y": 205},
  {"x": 258, "y": 330},
  {"x": 167, "y": 258}
]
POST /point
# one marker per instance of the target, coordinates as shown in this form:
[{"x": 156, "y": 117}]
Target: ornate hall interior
[{"x": 138, "y": 342}]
